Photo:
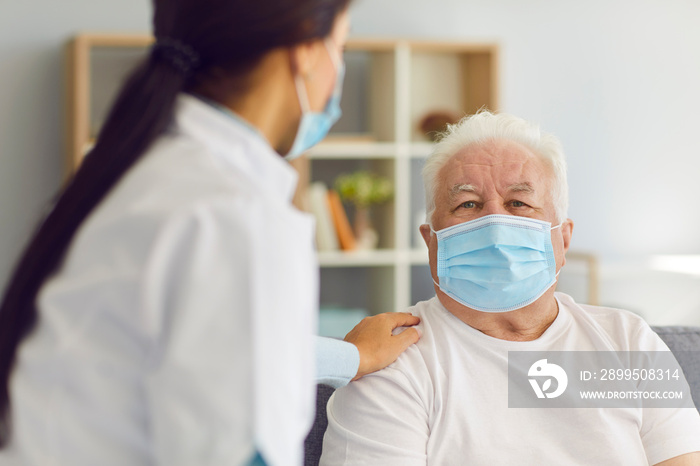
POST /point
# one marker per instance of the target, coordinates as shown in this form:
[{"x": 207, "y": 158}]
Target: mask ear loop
[
  {"x": 433, "y": 232},
  {"x": 334, "y": 58},
  {"x": 338, "y": 64},
  {"x": 302, "y": 95},
  {"x": 559, "y": 271},
  {"x": 301, "y": 87}
]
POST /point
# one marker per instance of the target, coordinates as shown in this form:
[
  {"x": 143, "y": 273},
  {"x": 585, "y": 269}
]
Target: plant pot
[{"x": 365, "y": 234}]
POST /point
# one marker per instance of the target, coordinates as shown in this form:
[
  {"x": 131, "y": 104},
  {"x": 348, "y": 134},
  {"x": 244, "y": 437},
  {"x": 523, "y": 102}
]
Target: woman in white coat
[{"x": 163, "y": 312}]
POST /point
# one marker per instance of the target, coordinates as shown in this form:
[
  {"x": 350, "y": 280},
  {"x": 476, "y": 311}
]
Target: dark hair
[{"x": 227, "y": 35}]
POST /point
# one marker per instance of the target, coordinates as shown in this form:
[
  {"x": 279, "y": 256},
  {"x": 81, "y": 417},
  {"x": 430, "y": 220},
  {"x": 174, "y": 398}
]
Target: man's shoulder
[
  {"x": 414, "y": 363},
  {"x": 603, "y": 314},
  {"x": 411, "y": 374},
  {"x": 426, "y": 310},
  {"x": 435, "y": 324},
  {"x": 627, "y": 329},
  {"x": 600, "y": 312},
  {"x": 434, "y": 318}
]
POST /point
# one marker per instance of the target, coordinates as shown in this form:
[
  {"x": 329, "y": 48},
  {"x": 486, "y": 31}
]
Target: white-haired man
[{"x": 496, "y": 196}]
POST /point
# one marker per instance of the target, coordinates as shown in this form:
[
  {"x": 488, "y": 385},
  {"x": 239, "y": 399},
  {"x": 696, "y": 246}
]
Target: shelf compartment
[
  {"x": 109, "y": 68},
  {"x": 447, "y": 77},
  {"x": 422, "y": 287},
  {"x": 369, "y": 288},
  {"x": 382, "y": 216},
  {"x": 368, "y": 96},
  {"x": 417, "y": 204},
  {"x": 90, "y": 89}
]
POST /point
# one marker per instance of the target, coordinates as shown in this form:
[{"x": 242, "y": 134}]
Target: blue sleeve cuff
[
  {"x": 337, "y": 362},
  {"x": 257, "y": 461}
]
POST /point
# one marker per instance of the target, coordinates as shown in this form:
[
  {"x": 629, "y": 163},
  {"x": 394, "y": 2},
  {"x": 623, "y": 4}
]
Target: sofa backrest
[{"x": 685, "y": 344}]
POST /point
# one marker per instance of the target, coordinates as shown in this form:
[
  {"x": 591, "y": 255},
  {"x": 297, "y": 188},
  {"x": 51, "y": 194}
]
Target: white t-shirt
[{"x": 445, "y": 402}]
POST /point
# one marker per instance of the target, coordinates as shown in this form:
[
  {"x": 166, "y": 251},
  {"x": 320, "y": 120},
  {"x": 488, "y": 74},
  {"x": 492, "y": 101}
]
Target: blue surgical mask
[
  {"x": 314, "y": 126},
  {"x": 496, "y": 263}
]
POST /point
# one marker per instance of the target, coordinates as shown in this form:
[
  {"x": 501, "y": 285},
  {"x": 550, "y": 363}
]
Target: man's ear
[
  {"x": 567, "y": 230},
  {"x": 425, "y": 233}
]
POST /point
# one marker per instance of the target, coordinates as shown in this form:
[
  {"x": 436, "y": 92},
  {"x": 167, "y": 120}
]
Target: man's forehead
[
  {"x": 506, "y": 164},
  {"x": 494, "y": 153}
]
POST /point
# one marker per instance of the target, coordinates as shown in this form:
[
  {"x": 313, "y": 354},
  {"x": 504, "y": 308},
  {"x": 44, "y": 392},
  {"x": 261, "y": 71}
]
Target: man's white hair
[{"x": 486, "y": 126}]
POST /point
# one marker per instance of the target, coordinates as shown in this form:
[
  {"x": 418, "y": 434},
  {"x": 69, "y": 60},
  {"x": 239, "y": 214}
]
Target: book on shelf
[
  {"x": 326, "y": 236},
  {"x": 346, "y": 237},
  {"x": 333, "y": 230}
]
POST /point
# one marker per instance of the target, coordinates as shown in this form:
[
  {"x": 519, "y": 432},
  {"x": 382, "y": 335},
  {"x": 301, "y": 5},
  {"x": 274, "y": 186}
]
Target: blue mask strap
[{"x": 435, "y": 233}]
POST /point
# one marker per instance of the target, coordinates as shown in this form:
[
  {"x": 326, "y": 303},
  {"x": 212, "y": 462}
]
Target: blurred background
[{"x": 615, "y": 80}]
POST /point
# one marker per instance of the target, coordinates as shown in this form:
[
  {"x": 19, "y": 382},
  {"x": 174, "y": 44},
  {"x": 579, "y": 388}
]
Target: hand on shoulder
[{"x": 376, "y": 342}]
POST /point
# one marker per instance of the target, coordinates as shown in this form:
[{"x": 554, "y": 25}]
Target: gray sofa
[{"x": 683, "y": 341}]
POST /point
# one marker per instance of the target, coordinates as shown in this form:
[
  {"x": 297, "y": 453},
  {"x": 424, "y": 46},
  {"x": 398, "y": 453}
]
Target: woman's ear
[{"x": 303, "y": 58}]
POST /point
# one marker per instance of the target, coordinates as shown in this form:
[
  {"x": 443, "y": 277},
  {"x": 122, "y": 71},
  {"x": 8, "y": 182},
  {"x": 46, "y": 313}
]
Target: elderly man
[{"x": 496, "y": 194}]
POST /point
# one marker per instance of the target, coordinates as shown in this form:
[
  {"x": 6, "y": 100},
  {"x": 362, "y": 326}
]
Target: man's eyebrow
[
  {"x": 462, "y": 188},
  {"x": 522, "y": 188}
]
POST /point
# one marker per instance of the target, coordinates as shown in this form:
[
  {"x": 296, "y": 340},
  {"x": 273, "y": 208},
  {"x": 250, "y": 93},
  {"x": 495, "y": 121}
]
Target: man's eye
[
  {"x": 518, "y": 204},
  {"x": 468, "y": 204}
]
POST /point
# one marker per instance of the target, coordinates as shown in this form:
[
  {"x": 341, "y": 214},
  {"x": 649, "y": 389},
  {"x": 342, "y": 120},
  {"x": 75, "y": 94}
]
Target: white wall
[
  {"x": 616, "y": 80},
  {"x": 32, "y": 38}
]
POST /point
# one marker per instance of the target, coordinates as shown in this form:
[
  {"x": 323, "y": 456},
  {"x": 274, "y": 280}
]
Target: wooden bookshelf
[{"x": 390, "y": 84}]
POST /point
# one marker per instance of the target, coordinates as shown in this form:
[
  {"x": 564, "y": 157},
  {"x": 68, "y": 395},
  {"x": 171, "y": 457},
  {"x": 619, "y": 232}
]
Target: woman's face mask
[{"x": 314, "y": 126}]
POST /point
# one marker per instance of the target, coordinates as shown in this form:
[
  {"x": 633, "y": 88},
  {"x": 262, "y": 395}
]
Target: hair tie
[{"x": 180, "y": 55}]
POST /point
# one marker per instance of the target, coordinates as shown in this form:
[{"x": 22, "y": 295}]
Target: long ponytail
[
  {"x": 142, "y": 111},
  {"x": 227, "y": 35}
]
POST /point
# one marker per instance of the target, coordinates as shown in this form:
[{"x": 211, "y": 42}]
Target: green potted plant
[{"x": 364, "y": 189}]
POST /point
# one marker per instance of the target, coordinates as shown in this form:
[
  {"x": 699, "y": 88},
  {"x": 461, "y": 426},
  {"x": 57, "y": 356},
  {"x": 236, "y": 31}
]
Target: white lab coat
[{"x": 178, "y": 330}]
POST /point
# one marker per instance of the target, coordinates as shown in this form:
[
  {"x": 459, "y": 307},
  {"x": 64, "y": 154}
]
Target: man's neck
[{"x": 525, "y": 324}]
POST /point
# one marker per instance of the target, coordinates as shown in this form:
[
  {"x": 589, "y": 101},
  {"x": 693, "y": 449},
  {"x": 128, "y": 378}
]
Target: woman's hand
[{"x": 376, "y": 342}]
